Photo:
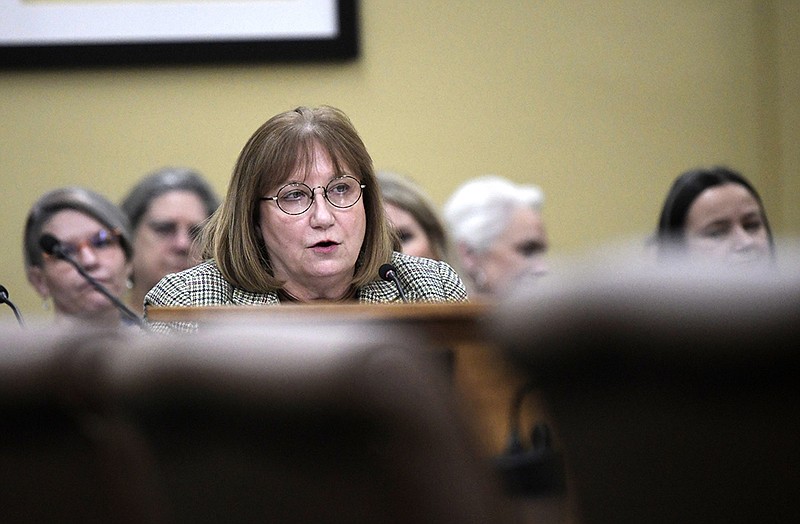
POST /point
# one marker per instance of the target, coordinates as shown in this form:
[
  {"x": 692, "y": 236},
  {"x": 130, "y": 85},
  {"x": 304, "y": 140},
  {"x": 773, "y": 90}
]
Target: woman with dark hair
[
  {"x": 302, "y": 221},
  {"x": 166, "y": 209},
  {"x": 715, "y": 214},
  {"x": 95, "y": 233}
]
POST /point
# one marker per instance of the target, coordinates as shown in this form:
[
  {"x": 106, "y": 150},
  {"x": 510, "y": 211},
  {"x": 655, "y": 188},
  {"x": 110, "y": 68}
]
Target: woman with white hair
[{"x": 498, "y": 233}]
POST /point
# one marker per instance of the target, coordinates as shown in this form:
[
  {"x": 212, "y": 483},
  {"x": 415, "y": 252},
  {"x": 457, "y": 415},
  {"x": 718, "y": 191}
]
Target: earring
[
  {"x": 480, "y": 279},
  {"x": 46, "y": 303}
]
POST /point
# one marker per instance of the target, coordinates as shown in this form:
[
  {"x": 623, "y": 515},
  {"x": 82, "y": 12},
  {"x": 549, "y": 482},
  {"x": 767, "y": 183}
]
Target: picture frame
[{"x": 77, "y": 33}]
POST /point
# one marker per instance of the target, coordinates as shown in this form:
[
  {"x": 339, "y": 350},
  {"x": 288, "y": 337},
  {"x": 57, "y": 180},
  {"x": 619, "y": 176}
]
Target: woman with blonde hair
[{"x": 413, "y": 217}]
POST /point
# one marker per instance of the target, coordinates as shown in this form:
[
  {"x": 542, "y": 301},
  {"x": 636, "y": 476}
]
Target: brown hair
[{"x": 283, "y": 145}]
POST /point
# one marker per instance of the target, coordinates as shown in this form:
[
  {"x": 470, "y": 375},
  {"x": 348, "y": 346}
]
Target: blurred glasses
[
  {"x": 100, "y": 241},
  {"x": 169, "y": 229},
  {"x": 296, "y": 198}
]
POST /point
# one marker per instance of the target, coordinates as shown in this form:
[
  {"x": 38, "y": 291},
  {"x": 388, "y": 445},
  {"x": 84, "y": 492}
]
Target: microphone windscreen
[
  {"x": 3, "y": 293},
  {"x": 385, "y": 270},
  {"x": 49, "y": 244}
]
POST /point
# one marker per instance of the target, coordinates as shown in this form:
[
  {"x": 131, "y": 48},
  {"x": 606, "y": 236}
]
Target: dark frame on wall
[{"x": 140, "y": 33}]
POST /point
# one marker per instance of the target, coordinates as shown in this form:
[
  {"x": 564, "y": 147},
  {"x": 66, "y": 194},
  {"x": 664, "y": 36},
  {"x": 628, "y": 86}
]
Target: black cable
[{"x": 4, "y": 299}]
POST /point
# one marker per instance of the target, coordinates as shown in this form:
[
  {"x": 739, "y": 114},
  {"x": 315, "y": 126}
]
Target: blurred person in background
[
  {"x": 413, "y": 217},
  {"x": 166, "y": 210},
  {"x": 498, "y": 234},
  {"x": 715, "y": 215},
  {"x": 92, "y": 231}
]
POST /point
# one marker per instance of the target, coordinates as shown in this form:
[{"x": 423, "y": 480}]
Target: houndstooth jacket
[{"x": 422, "y": 280}]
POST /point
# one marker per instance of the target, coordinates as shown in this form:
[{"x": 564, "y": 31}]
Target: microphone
[
  {"x": 52, "y": 246},
  {"x": 4, "y": 300},
  {"x": 388, "y": 273}
]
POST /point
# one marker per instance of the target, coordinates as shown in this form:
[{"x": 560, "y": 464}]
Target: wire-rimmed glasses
[{"x": 296, "y": 198}]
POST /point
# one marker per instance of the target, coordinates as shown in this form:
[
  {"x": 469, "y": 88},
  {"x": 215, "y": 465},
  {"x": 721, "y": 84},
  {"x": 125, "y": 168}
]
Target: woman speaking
[{"x": 303, "y": 221}]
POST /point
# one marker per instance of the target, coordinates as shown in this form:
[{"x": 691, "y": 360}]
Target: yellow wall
[
  {"x": 602, "y": 103},
  {"x": 788, "y": 120}
]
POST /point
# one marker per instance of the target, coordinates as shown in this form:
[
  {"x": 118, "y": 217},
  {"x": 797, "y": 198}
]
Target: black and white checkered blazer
[{"x": 422, "y": 279}]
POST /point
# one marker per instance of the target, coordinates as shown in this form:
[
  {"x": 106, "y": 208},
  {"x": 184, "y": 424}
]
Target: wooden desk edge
[
  {"x": 445, "y": 321},
  {"x": 467, "y": 311}
]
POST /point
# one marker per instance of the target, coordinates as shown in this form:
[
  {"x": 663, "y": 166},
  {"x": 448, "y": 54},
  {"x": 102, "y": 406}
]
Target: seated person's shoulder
[
  {"x": 432, "y": 279},
  {"x": 408, "y": 263},
  {"x": 199, "y": 285}
]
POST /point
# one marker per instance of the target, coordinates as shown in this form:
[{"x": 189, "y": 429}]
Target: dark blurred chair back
[
  {"x": 57, "y": 461},
  {"x": 673, "y": 392},
  {"x": 240, "y": 424}
]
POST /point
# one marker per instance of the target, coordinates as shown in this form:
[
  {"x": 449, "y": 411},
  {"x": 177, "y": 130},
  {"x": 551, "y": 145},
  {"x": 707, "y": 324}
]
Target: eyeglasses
[
  {"x": 100, "y": 241},
  {"x": 296, "y": 198},
  {"x": 170, "y": 229}
]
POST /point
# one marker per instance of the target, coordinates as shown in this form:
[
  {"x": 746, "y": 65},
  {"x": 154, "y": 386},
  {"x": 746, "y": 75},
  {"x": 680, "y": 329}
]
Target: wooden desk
[
  {"x": 484, "y": 379},
  {"x": 447, "y": 324}
]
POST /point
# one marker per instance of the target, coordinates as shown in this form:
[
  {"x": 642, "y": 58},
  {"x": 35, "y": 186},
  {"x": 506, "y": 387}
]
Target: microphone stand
[
  {"x": 99, "y": 287},
  {"x": 5, "y": 300},
  {"x": 396, "y": 281},
  {"x": 388, "y": 273}
]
